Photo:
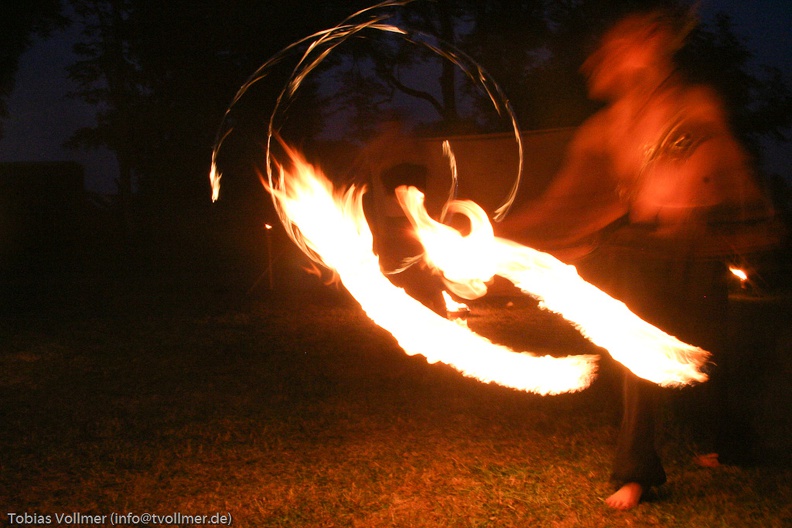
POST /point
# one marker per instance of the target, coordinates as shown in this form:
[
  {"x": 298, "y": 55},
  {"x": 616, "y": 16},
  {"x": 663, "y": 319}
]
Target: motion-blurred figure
[
  {"x": 654, "y": 195},
  {"x": 390, "y": 160}
]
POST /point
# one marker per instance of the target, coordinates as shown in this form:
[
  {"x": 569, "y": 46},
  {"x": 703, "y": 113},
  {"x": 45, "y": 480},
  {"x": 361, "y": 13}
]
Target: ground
[{"x": 292, "y": 409}]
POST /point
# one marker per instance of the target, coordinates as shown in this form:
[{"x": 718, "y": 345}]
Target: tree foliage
[
  {"x": 20, "y": 23},
  {"x": 162, "y": 73},
  {"x": 759, "y": 103}
]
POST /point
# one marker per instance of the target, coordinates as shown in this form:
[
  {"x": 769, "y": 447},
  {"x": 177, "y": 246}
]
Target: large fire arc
[{"x": 331, "y": 226}]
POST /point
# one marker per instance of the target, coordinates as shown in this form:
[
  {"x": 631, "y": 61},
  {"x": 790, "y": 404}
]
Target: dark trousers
[
  {"x": 636, "y": 458},
  {"x": 684, "y": 296}
]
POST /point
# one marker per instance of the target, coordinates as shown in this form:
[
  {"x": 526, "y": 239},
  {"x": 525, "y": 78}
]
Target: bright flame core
[
  {"x": 467, "y": 262},
  {"x": 452, "y": 306},
  {"x": 740, "y": 274},
  {"x": 332, "y": 226}
]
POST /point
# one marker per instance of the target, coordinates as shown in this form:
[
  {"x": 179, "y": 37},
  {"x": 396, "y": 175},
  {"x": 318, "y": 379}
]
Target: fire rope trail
[
  {"x": 467, "y": 262},
  {"x": 333, "y": 226},
  {"x": 321, "y": 44},
  {"x": 330, "y": 227}
]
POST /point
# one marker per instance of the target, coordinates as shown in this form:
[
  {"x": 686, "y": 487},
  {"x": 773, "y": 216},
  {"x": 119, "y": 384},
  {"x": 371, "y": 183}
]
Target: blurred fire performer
[
  {"x": 390, "y": 160},
  {"x": 654, "y": 196}
]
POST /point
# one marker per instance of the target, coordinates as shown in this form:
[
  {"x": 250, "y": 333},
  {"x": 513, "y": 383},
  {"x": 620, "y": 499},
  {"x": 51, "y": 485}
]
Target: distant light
[
  {"x": 267, "y": 226},
  {"x": 740, "y": 274}
]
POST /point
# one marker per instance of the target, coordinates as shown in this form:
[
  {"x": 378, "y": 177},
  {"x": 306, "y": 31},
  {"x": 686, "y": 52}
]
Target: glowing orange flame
[
  {"x": 740, "y": 274},
  {"x": 467, "y": 262},
  {"x": 333, "y": 227},
  {"x": 456, "y": 311},
  {"x": 452, "y": 305}
]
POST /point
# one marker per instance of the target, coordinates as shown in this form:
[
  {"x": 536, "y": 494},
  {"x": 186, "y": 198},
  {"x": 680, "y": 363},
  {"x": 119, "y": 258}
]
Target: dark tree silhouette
[
  {"x": 550, "y": 91},
  {"x": 20, "y": 23},
  {"x": 162, "y": 73},
  {"x": 385, "y": 71},
  {"x": 759, "y": 103}
]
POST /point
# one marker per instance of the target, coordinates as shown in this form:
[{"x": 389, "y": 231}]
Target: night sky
[{"x": 42, "y": 118}]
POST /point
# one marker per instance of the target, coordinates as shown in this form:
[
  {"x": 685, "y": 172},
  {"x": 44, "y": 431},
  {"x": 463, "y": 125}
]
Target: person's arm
[{"x": 579, "y": 202}]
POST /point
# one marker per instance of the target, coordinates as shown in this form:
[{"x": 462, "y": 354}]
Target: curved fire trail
[
  {"x": 330, "y": 227},
  {"x": 467, "y": 262},
  {"x": 333, "y": 226},
  {"x": 317, "y": 47}
]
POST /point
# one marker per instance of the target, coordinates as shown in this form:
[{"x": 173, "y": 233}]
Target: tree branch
[{"x": 420, "y": 94}]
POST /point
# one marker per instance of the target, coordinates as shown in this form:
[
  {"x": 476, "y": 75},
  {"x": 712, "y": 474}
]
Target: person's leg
[
  {"x": 710, "y": 413},
  {"x": 633, "y": 278},
  {"x": 636, "y": 465}
]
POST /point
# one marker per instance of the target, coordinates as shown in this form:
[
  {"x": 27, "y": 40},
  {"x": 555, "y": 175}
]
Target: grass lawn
[{"x": 295, "y": 410}]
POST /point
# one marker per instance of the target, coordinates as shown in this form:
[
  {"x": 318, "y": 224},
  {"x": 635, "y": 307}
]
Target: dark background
[{"x": 135, "y": 91}]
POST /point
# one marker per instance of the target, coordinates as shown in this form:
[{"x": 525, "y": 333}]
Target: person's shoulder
[
  {"x": 696, "y": 108},
  {"x": 702, "y": 98},
  {"x": 593, "y": 130}
]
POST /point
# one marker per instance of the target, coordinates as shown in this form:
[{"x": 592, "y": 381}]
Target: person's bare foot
[{"x": 627, "y": 497}]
